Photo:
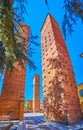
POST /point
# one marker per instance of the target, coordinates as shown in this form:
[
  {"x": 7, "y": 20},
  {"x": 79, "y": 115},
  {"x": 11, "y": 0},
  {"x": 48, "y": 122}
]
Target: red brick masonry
[
  {"x": 61, "y": 102},
  {"x": 36, "y": 93},
  {"x": 12, "y": 96}
]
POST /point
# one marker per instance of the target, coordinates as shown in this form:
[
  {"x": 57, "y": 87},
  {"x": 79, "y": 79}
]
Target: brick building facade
[
  {"x": 80, "y": 93},
  {"x": 61, "y": 102},
  {"x": 28, "y": 106},
  {"x": 36, "y": 93},
  {"x": 12, "y": 95}
]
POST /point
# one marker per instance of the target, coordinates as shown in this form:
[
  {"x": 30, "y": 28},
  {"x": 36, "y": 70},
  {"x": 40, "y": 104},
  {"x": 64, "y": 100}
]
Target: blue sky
[{"x": 37, "y": 11}]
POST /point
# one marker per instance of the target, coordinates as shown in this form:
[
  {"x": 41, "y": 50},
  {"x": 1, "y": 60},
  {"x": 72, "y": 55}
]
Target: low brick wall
[{"x": 4, "y": 118}]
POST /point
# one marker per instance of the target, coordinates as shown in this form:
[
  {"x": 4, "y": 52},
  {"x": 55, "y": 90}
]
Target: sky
[{"x": 37, "y": 12}]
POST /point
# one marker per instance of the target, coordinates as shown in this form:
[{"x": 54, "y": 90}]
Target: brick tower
[
  {"x": 12, "y": 96},
  {"x": 36, "y": 93},
  {"x": 61, "y": 101}
]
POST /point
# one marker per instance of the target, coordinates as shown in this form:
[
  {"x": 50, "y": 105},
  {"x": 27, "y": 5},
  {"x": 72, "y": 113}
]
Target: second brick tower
[{"x": 61, "y": 101}]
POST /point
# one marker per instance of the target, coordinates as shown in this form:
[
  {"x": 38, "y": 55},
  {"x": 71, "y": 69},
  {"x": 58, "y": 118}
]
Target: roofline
[
  {"x": 44, "y": 21},
  {"x": 24, "y": 24},
  {"x": 50, "y": 19},
  {"x": 80, "y": 84},
  {"x": 36, "y": 75}
]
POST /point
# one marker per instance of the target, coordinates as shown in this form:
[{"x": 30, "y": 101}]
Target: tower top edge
[
  {"x": 36, "y": 75},
  {"x": 49, "y": 16}
]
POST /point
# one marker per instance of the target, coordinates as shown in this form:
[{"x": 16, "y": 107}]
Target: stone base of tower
[
  {"x": 12, "y": 109},
  {"x": 57, "y": 115},
  {"x": 62, "y": 107},
  {"x": 36, "y": 108},
  {"x": 62, "y": 119},
  {"x": 9, "y": 108}
]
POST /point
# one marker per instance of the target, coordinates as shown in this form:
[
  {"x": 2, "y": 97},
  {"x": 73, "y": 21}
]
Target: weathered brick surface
[
  {"x": 61, "y": 101},
  {"x": 36, "y": 93},
  {"x": 12, "y": 95}
]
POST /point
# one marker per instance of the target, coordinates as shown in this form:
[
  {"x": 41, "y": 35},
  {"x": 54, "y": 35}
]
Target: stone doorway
[{"x": 11, "y": 113}]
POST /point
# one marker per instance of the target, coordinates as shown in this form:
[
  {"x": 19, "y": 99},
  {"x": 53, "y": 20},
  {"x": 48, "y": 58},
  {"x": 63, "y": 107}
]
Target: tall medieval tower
[
  {"x": 61, "y": 101},
  {"x": 36, "y": 93},
  {"x": 12, "y": 96}
]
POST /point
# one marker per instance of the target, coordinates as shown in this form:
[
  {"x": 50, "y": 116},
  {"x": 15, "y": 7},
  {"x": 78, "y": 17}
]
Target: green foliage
[
  {"x": 73, "y": 12},
  {"x": 11, "y": 48},
  {"x": 7, "y": 38},
  {"x": 11, "y": 13}
]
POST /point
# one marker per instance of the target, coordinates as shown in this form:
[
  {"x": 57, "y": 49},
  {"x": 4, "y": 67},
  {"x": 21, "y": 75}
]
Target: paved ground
[
  {"x": 4, "y": 124},
  {"x": 36, "y": 121}
]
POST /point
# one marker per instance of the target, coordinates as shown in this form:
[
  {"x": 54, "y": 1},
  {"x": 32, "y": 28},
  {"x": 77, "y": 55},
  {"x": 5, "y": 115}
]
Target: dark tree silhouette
[
  {"x": 11, "y": 49},
  {"x": 11, "y": 14},
  {"x": 73, "y": 11}
]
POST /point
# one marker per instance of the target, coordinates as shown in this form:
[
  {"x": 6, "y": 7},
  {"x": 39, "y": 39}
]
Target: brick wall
[
  {"x": 61, "y": 102},
  {"x": 36, "y": 93},
  {"x": 12, "y": 95}
]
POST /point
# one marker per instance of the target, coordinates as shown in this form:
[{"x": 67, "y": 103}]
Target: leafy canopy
[
  {"x": 11, "y": 49},
  {"x": 73, "y": 10},
  {"x": 11, "y": 13}
]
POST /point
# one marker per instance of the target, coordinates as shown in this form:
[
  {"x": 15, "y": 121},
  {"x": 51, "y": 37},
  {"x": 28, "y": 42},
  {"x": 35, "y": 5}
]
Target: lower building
[
  {"x": 41, "y": 107},
  {"x": 28, "y": 106},
  {"x": 80, "y": 93}
]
